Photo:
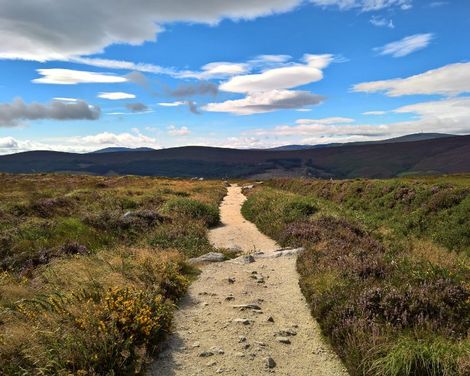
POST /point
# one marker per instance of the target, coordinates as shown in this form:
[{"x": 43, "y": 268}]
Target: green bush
[{"x": 193, "y": 209}]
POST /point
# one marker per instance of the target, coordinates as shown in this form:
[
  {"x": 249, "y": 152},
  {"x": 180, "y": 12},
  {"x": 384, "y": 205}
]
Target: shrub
[{"x": 193, "y": 209}]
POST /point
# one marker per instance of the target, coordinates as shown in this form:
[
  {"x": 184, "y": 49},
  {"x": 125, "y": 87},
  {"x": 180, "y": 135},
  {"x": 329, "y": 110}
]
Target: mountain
[
  {"x": 120, "y": 150},
  {"x": 407, "y": 138},
  {"x": 383, "y": 160}
]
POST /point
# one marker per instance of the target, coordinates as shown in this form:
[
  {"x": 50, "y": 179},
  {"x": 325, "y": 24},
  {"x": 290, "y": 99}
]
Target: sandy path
[{"x": 210, "y": 335}]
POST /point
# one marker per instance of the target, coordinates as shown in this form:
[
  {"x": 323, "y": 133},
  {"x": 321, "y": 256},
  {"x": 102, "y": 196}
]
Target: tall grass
[{"x": 92, "y": 268}]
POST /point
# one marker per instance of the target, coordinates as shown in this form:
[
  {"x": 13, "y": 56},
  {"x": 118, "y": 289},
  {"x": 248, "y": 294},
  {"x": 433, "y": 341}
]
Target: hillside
[
  {"x": 437, "y": 156},
  {"x": 406, "y": 138}
]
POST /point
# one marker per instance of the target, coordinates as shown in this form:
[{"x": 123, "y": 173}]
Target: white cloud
[
  {"x": 406, "y": 46},
  {"x": 382, "y": 22},
  {"x": 59, "y": 76},
  {"x": 326, "y": 121},
  {"x": 175, "y": 131},
  {"x": 80, "y": 144},
  {"x": 59, "y": 30},
  {"x": 116, "y": 95},
  {"x": 452, "y": 79},
  {"x": 365, "y": 5},
  {"x": 443, "y": 116},
  {"x": 215, "y": 70},
  {"x": 12, "y": 114},
  {"x": 374, "y": 113},
  {"x": 266, "y": 101},
  {"x": 122, "y": 64},
  {"x": 63, "y": 99},
  {"x": 172, "y": 104},
  {"x": 280, "y": 78}
]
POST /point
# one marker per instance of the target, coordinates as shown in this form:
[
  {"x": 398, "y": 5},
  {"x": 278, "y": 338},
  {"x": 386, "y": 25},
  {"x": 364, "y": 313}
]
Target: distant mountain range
[
  {"x": 372, "y": 160},
  {"x": 120, "y": 150},
  {"x": 407, "y": 138}
]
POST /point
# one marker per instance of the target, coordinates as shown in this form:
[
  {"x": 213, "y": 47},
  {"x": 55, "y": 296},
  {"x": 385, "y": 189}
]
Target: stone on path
[{"x": 208, "y": 257}]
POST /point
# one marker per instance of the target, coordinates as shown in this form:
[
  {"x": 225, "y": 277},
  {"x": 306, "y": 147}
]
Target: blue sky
[{"x": 83, "y": 75}]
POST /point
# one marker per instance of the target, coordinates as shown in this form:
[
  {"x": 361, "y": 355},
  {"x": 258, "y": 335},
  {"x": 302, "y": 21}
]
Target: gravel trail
[{"x": 246, "y": 318}]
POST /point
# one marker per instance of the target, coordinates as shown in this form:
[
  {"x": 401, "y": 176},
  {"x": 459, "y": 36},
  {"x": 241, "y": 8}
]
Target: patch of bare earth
[{"x": 246, "y": 318}]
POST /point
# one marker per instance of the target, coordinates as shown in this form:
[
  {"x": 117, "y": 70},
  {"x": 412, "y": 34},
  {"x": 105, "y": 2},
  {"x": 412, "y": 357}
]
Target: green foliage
[
  {"x": 92, "y": 268},
  {"x": 390, "y": 304},
  {"x": 189, "y": 208}
]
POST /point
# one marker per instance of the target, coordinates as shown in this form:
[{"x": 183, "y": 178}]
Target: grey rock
[
  {"x": 246, "y": 259},
  {"x": 284, "y": 340},
  {"x": 286, "y": 332},
  {"x": 269, "y": 362},
  {"x": 243, "y": 321},
  {"x": 206, "y": 354},
  {"x": 208, "y": 257},
  {"x": 244, "y": 307}
]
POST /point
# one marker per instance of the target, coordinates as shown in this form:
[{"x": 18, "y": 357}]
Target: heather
[
  {"x": 392, "y": 298},
  {"x": 92, "y": 268}
]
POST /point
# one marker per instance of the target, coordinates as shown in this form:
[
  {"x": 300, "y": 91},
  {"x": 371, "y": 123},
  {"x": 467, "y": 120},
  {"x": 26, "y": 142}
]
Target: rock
[
  {"x": 261, "y": 344},
  {"x": 244, "y": 307},
  {"x": 270, "y": 319},
  {"x": 246, "y": 346},
  {"x": 208, "y": 257},
  {"x": 211, "y": 364},
  {"x": 246, "y": 259},
  {"x": 240, "y": 354},
  {"x": 196, "y": 344},
  {"x": 284, "y": 340},
  {"x": 231, "y": 280},
  {"x": 230, "y": 297},
  {"x": 241, "y": 339},
  {"x": 286, "y": 333},
  {"x": 206, "y": 354},
  {"x": 219, "y": 370},
  {"x": 269, "y": 362},
  {"x": 243, "y": 321}
]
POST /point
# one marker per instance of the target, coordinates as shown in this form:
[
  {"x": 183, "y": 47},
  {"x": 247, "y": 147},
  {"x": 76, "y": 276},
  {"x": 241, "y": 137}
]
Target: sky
[{"x": 78, "y": 76}]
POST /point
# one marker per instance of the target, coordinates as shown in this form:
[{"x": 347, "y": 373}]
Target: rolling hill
[{"x": 435, "y": 156}]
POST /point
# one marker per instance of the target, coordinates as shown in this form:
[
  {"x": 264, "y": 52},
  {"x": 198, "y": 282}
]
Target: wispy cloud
[
  {"x": 382, "y": 22},
  {"x": 452, "y": 79},
  {"x": 365, "y": 5},
  {"x": 175, "y": 131},
  {"x": 406, "y": 46}
]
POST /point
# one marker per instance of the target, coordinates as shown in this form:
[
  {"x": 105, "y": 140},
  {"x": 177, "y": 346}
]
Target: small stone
[
  {"x": 269, "y": 362},
  {"x": 219, "y": 370},
  {"x": 240, "y": 354},
  {"x": 231, "y": 280},
  {"x": 208, "y": 257},
  {"x": 246, "y": 346},
  {"x": 230, "y": 297},
  {"x": 241, "y": 339},
  {"x": 211, "y": 364},
  {"x": 196, "y": 344},
  {"x": 284, "y": 340},
  {"x": 243, "y": 321},
  {"x": 262, "y": 344},
  {"x": 247, "y": 259},
  {"x": 206, "y": 354},
  {"x": 286, "y": 333},
  {"x": 243, "y": 307},
  {"x": 270, "y": 319}
]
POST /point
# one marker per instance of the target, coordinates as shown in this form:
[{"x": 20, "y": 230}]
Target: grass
[
  {"x": 92, "y": 268},
  {"x": 391, "y": 297}
]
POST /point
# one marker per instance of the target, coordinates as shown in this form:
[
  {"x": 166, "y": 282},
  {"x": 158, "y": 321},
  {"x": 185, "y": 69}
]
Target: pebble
[
  {"x": 211, "y": 364},
  {"x": 286, "y": 333},
  {"x": 243, "y": 307},
  {"x": 231, "y": 280},
  {"x": 206, "y": 354},
  {"x": 284, "y": 340},
  {"x": 241, "y": 339},
  {"x": 269, "y": 362},
  {"x": 270, "y": 319},
  {"x": 196, "y": 344},
  {"x": 243, "y": 321}
]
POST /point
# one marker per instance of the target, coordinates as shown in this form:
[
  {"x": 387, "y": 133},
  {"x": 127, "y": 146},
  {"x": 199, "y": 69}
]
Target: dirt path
[{"x": 271, "y": 330}]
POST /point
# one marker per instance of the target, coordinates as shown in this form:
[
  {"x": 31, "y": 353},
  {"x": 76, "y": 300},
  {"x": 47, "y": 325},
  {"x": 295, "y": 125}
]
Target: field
[
  {"x": 91, "y": 268},
  {"x": 386, "y": 269}
]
